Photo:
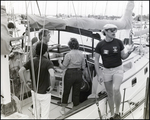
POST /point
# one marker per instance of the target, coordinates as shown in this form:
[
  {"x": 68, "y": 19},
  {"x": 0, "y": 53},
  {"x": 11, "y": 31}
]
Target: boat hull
[{"x": 132, "y": 89}]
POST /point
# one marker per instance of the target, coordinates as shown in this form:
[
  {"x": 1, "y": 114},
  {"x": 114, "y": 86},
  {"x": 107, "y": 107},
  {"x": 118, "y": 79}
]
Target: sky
[{"x": 83, "y": 8}]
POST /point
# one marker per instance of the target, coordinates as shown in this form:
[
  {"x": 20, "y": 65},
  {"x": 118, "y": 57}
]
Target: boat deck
[
  {"x": 54, "y": 111},
  {"x": 83, "y": 105},
  {"x": 55, "y": 108}
]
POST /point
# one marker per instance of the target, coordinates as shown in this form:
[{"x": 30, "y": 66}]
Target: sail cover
[
  {"x": 38, "y": 22},
  {"x": 125, "y": 22},
  {"x": 92, "y": 24}
]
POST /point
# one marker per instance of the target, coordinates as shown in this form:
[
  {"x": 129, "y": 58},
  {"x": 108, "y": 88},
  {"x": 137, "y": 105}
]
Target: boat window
[
  {"x": 127, "y": 66},
  {"x": 84, "y": 40},
  {"x": 145, "y": 70},
  {"x": 54, "y": 38},
  {"x": 134, "y": 81}
]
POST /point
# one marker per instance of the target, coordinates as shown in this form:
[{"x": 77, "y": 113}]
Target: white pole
[{"x": 141, "y": 29}]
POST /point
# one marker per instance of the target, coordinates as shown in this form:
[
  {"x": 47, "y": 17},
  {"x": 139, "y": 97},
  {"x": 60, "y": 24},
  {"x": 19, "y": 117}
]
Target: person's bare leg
[
  {"x": 117, "y": 80},
  {"x": 109, "y": 89}
]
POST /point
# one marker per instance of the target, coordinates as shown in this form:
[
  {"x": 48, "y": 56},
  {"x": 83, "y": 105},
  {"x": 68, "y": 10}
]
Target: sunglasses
[{"x": 112, "y": 29}]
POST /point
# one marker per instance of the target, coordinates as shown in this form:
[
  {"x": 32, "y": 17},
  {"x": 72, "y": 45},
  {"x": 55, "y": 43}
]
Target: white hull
[{"x": 134, "y": 93}]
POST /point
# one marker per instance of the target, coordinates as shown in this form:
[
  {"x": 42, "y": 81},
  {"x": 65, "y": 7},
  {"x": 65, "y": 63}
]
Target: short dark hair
[
  {"x": 43, "y": 31},
  {"x": 73, "y": 43},
  {"x": 11, "y": 25},
  {"x": 38, "y": 48},
  {"x": 35, "y": 39}
]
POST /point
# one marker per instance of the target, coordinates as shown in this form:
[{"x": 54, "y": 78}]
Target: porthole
[
  {"x": 134, "y": 81},
  {"x": 145, "y": 70}
]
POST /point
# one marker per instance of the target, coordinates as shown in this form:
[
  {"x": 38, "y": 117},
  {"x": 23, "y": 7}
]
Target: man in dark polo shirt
[
  {"x": 44, "y": 35},
  {"x": 45, "y": 82},
  {"x": 112, "y": 52}
]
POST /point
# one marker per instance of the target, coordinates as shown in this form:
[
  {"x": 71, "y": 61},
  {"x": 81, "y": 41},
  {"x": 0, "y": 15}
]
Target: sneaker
[
  {"x": 62, "y": 112},
  {"x": 93, "y": 96},
  {"x": 111, "y": 118},
  {"x": 117, "y": 116}
]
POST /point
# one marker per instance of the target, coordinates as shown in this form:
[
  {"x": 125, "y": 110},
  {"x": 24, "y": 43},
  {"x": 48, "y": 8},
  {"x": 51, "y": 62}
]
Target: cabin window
[
  {"x": 134, "y": 81},
  {"x": 145, "y": 70}
]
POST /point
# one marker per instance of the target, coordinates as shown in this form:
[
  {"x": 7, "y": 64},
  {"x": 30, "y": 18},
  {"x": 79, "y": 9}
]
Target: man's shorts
[{"x": 108, "y": 73}]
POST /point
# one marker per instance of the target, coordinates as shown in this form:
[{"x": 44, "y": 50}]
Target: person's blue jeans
[{"x": 72, "y": 78}]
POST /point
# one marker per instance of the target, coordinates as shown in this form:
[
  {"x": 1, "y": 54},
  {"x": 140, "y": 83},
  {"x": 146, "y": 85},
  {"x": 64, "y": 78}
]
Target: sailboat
[{"x": 136, "y": 66}]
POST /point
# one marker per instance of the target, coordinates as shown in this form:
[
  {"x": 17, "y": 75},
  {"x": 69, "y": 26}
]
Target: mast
[
  {"x": 57, "y": 8},
  {"x": 105, "y": 9},
  {"x": 141, "y": 25}
]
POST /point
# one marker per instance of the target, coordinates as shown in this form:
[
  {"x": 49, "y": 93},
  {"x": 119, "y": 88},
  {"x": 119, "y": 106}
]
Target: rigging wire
[
  {"x": 28, "y": 26},
  {"x": 57, "y": 8},
  {"x": 95, "y": 7},
  {"x": 40, "y": 52},
  {"x": 105, "y": 8},
  {"x": 99, "y": 112},
  {"x": 36, "y": 87},
  {"x": 31, "y": 7},
  {"x": 41, "y": 49},
  {"x": 139, "y": 9},
  {"x": 32, "y": 64},
  {"x": 38, "y": 7},
  {"x": 80, "y": 36},
  {"x": 68, "y": 7},
  {"x": 92, "y": 8},
  {"x": 131, "y": 34},
  {"x": 28, "y": 41},
  {"x": 118, "y": 9},
  {"x": 85, "y": 8},
  {"x": 141, "y": 21}
]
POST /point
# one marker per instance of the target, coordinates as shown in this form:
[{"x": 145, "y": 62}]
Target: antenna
[{"x": 38, "y": 7}]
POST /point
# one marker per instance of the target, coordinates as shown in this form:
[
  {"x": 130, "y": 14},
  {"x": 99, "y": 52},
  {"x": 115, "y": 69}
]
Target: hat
[
  {"x": 109, "y": 26},
  {"x": 18, "y": 51}
]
